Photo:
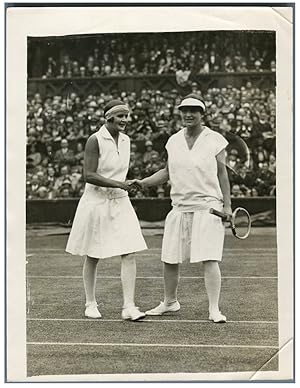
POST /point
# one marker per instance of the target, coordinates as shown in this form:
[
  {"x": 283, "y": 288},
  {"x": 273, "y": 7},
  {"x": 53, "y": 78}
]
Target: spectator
[
  {"x": 236, "y": 191},
  {"x": 265, "y": 180},
  {"x": 79, "y": 153},
  {"x": 272, "y": 162},
  {"x": 50, "y": 178},
  {"x": 34, "y": 157},
  {"x": 42, "y": 193},
  {"x": 64, "y": 155},
  {"x": 149, "y": 152},
  {"x": 63, "y": 177},
  {"x": 32, "y": 187}
]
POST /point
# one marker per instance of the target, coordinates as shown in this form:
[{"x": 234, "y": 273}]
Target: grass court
[{"x": 61, "y": 341}]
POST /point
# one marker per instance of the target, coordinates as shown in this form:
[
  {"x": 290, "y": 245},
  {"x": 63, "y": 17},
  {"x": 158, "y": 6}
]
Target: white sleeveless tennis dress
[
  {"x": 191, "y": 232},
  {"x": 105, "y": 222}
]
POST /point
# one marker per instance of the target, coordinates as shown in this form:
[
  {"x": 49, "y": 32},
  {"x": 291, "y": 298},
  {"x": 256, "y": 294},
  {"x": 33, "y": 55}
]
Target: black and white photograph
[{"x": 152, "y": 236}]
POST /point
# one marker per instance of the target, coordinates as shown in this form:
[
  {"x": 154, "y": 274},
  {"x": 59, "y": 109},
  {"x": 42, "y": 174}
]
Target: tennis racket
[{"x": 240, "y": 221}]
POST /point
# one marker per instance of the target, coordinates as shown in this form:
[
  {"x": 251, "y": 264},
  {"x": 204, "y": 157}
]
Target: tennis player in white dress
[
  {"x": 199, "y": 181},
  {"x": 105, "y": 222}
]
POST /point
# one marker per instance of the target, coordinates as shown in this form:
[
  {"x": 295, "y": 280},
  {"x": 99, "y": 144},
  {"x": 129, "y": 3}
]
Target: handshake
[{"x": 132, "y": 186}]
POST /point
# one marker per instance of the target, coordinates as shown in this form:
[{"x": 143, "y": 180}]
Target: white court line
[
  {"x": 226, "y": 256},
  {"x": 145, "y": 277},
  {"x": 151, "y": 345},
  {"x": 157, "y": 249},
  {"x": 146, "y": 320}
]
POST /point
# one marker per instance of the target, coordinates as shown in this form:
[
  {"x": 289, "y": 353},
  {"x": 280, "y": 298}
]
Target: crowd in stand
[
  {"x": 57, "y": 129},
  {"x": 183, "y": 54}
]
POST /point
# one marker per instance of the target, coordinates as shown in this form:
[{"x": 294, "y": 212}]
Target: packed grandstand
[{"x": 58, "y": 124}]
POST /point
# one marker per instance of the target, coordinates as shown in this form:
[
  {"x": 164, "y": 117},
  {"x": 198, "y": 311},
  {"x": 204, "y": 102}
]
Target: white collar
[{"x": 104, "y": 132}]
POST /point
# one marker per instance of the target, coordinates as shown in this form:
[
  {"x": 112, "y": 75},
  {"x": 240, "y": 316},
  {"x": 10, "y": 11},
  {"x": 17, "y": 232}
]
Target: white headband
[
  {"x": 116, "y": 110},
  {"x": 190, "y": 101}
]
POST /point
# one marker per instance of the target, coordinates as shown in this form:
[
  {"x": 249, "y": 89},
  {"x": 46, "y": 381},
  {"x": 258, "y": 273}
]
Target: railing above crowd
[{"x": 166, "y": 82}]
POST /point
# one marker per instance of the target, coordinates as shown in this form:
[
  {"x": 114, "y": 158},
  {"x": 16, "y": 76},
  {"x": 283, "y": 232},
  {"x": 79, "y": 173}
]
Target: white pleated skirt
[
  {"x": 104, "y": 227},
  {"x": 194, "y": 236}
]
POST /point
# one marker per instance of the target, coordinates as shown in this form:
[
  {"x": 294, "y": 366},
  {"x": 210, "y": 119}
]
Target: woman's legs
[
  {"x": 212, "y": 279},
  {"x": 171, "y": 279},
  {"x": 89, "y": 279},
  {"x": 128, "y": 275}
]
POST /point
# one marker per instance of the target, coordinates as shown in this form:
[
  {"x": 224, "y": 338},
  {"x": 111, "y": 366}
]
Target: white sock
[
  {"x": 128, "y": 275},
  {"x": 89, "y": 279},
  {"x": 212, "y": 279}
]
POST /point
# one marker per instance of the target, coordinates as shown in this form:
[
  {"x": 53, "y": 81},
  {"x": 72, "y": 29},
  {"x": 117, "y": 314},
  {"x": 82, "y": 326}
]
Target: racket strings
[{"x": 241, "y": 222}]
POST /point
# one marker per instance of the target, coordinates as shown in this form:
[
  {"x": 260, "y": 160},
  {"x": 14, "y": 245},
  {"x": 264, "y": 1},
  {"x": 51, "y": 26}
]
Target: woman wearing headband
[
  {"x": 199, "y": 181},
  {"x": 105, "y": 223}
]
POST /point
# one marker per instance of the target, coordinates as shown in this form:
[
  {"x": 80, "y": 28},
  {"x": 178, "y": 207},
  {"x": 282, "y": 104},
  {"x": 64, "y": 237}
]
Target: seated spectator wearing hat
[
  {"x": 242, "y": 67},
  {"x": 64, "y": 155},
  {"x": 39, "y": 125},
  {"x": 79, "y": 153},
  {"x": 265, "y": 180},
  {"x": 50, "y": 177},
  {"x": 149, "y": 152},
  {"x": 258, "y": 66},
  {"x": 41, "y": 177},
  {"x": 93, "y": 124},
  {"x": 236, "y": 191},
  {"x": 34, "y": 157},
  {"x": 64, "y": 175},
  {"x": 65, "y": 190},
  {"x": 42, "y": 193},
  {"x": 266, "y": 131},
  {"x": 76, "y": 177},
  {"x": 260, "y": 154},
  {"x": 32, "y": 187},
  {"x": 70, "y": 129}
]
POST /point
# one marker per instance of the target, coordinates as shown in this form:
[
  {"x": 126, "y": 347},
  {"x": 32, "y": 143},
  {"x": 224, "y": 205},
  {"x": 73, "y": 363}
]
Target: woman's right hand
[
  {"x": 132, "y": 186},
  {"x": 139, "y": 183}
]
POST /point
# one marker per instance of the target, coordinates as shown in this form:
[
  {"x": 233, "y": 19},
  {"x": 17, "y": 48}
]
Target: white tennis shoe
[
  {"x": 132, "y": 313},
  {"x": 91, "y": 310},
  {"x": 164, "y": 308},
  {"x": 217, "y": 317}
]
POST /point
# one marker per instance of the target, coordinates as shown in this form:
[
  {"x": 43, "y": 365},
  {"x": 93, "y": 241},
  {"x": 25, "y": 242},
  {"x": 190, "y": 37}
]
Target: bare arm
[
  {"x": 91, "y": 156},
  {"x": 160, "y": 177},
  {"x": 224, "y": 182}
]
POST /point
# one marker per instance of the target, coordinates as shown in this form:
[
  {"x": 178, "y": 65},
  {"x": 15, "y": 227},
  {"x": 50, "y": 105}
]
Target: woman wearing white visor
[
  {"x": 105, "y": 223},
  {"x": 199, "y": 181}
]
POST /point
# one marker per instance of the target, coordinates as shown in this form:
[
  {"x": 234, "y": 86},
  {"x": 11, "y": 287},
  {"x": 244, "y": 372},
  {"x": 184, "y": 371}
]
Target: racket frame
[{"x": 226, "y": 217}]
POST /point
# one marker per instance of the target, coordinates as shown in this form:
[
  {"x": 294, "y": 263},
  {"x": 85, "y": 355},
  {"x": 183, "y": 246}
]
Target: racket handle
[{"x": 218, "y": 214}]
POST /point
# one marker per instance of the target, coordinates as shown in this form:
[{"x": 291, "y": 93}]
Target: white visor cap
[{"x": 192, "y": 102}]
